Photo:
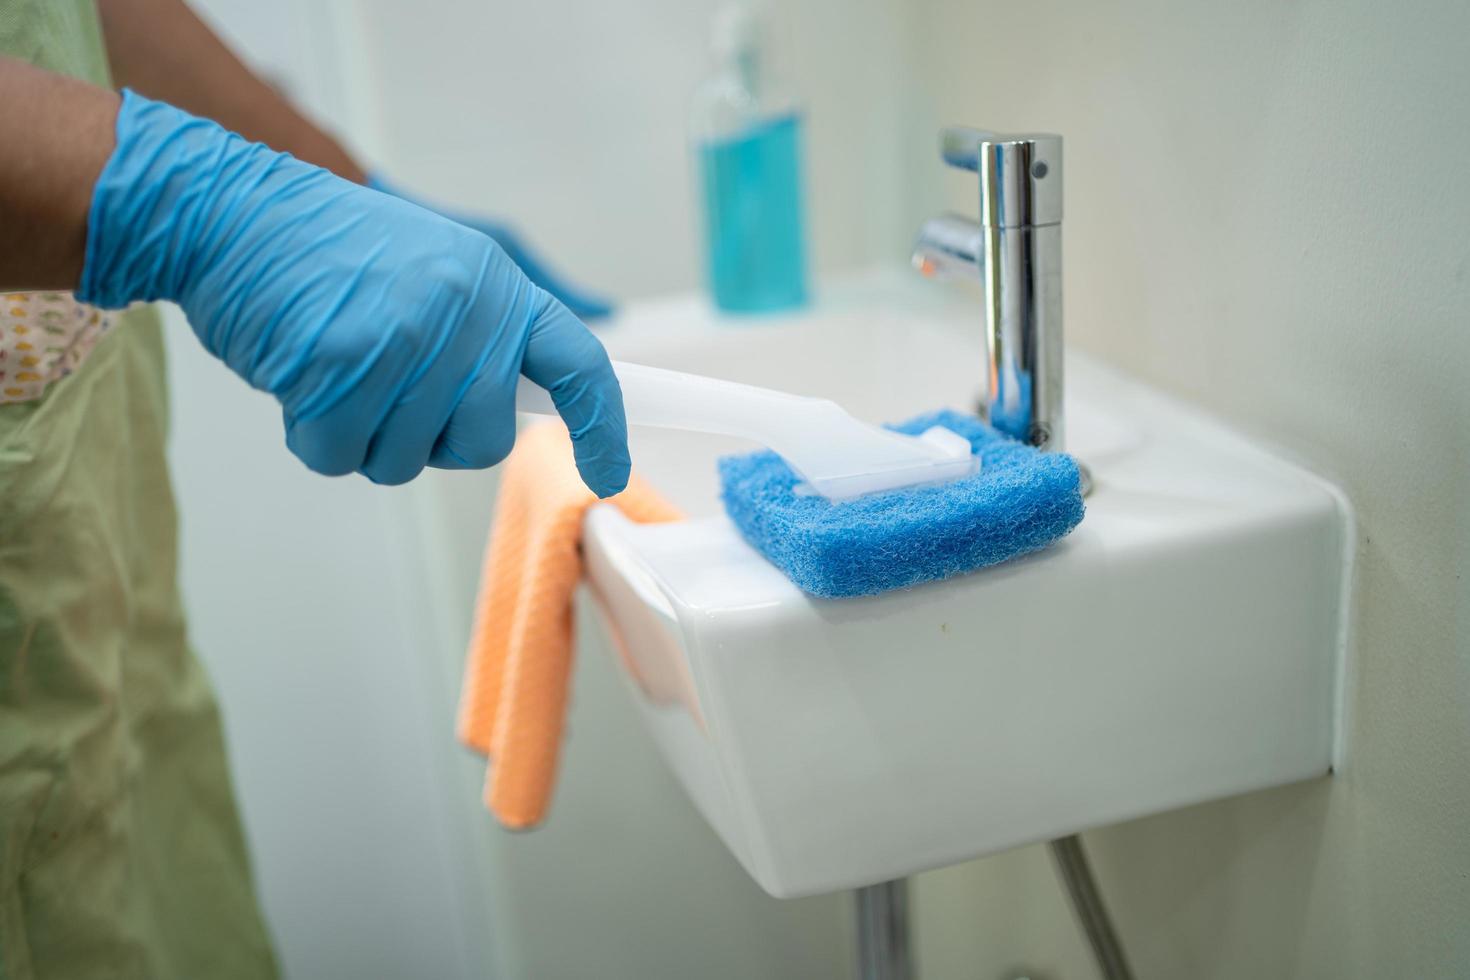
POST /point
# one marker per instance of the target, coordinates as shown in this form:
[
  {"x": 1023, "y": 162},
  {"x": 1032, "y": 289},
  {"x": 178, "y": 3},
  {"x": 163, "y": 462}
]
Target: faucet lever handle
[
  {"x": 959, "y": 146},
  {"x": 950, "y": 247}
]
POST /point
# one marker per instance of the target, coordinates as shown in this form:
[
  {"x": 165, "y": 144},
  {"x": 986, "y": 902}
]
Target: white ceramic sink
[{"x": 1184, "y": 643}]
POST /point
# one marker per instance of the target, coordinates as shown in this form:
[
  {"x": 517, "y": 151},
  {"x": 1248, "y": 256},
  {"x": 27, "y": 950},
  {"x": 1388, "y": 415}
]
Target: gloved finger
[
  {"x": 482, "y": 428},
  {"x": 563, "y": 357},
  {"x": 333, "y": 444},
  {"x": 422, "y": 405},
  {"x": 331, "y": 431},
  {"x": 583, "y": 304},
  {"x": 401, "y": 447}
]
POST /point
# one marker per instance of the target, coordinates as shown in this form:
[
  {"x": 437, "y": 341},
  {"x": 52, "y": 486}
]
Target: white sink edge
[{"x": 1237, "y": 495}]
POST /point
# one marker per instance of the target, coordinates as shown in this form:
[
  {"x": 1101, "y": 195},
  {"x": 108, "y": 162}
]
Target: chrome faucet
[{"x": 1015, "y": 250}]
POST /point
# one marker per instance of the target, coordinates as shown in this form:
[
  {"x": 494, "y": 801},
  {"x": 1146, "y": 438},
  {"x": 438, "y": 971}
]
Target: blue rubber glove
[
  {"x": 392, "y": 337},
  {"x": 587, "y": 306}
]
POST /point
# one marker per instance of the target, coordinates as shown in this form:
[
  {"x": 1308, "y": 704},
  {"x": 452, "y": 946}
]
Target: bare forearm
[
  {"x": 162, "y": 50},
  {"x": 60, "y": 134}
]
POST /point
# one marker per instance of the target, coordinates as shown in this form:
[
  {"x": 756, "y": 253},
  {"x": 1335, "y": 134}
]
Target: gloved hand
[
  {"x": 587, "y": 306},
  {"x": 392, "y": 337}
]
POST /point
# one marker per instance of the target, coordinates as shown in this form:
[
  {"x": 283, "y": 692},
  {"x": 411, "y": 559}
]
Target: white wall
[
  {"x": 571, "y": 117},
  {"x": 333, "y": 614},
  {"x": 1267, "y": 213}
]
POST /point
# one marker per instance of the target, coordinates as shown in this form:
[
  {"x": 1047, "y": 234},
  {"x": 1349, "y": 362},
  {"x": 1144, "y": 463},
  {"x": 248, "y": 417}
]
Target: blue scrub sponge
[{"x": 1021, "y": 500}]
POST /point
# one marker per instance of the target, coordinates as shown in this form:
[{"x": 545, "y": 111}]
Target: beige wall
[{"x": 1268, "y": 213}]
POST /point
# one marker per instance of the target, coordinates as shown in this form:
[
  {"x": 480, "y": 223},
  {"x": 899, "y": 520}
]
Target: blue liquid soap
[{"x": 755, "y": 235}]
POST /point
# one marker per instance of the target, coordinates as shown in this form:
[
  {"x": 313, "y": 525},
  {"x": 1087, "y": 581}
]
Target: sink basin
[{"x": 1185, "y": 643}]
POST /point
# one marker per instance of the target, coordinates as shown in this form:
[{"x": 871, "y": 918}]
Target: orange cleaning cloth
[{"x": 514, "y": 701}]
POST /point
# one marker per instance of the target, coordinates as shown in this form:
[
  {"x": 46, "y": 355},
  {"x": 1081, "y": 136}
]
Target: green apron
[{"x": 121, "y": 854}]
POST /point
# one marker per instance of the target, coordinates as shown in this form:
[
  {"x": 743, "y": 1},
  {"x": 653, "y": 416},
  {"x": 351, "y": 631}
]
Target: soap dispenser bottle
[{"x": 747, "y": 142}]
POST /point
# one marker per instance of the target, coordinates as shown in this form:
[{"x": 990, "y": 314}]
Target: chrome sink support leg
[
  {"x": 1087, "y": 902},
  {"x": 883, "y": 920},
  {"x": 883, "y": 931}
]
